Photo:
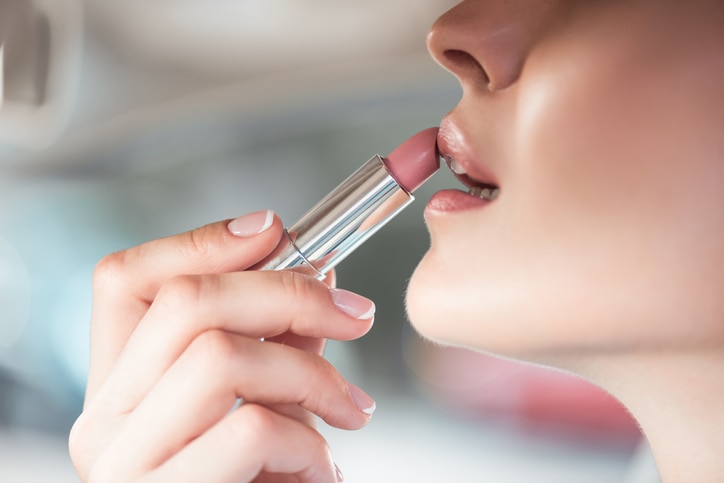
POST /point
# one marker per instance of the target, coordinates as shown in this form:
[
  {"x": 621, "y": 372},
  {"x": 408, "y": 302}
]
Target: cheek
[
  {"x": 629, "y": 189},
  {"x": 616, "y": 166}
]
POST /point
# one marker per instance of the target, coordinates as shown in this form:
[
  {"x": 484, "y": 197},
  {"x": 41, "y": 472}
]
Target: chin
[
  {"x": 443, "y": 309},
  {"x": 502, "y": 316}
]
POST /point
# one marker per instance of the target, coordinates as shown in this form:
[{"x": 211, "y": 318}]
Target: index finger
[{"x": 126, "y": 282}]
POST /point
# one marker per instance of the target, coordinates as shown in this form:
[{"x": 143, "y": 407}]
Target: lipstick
[{"x": 354, "y": 211}]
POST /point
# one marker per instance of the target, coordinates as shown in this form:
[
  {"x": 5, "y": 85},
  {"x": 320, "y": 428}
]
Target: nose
[{"x": 484, "y": 43}]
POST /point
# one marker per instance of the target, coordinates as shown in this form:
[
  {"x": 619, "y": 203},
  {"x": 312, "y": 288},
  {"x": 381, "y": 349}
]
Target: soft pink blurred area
[{"x": 527, "y": 396}]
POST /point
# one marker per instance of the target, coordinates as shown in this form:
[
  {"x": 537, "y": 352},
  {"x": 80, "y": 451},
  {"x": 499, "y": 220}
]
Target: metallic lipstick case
[{"x": 340, "y": 222}]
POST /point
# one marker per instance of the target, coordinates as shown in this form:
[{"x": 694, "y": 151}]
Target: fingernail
[
  {"x": 252, "y": 223},
  {"x": 340, "y": 476},
  {"x": 352, "y": 304},
  {"x": 365, "y": 403}
]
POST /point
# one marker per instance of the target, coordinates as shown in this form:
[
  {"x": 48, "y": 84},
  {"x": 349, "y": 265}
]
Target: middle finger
[
  {"x": 215, "y": 370},
  {"x": 253, "y": 304}
]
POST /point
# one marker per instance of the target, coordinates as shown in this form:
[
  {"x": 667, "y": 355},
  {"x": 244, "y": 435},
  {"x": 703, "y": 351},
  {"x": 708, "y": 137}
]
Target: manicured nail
[
  {"x": 340, "y": 476},
  {"x": 365, "y": 403},
  {"x": 252, "y": 223},
  {"x": 352, "y": 304}
]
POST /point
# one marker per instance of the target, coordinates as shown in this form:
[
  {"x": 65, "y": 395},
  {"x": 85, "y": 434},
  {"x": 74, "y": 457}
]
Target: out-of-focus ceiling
[
  {"x": 76, "y": 65},
  {"x": 246, "y": 36}
]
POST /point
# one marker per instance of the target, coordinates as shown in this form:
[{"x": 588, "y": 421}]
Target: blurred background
[{"x": 121, "y": 122}]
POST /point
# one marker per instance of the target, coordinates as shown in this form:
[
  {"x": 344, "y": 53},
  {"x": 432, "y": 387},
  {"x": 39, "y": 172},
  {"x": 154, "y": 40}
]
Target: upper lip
[{"x": 452, "y": 143}]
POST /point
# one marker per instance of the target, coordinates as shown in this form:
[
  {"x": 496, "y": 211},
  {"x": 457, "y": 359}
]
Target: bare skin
[{"x": 603, "y": 252}]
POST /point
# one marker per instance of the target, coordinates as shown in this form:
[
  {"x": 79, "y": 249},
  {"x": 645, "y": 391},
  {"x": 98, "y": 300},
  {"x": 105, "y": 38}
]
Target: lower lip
[{"x": 450, "y": 201}]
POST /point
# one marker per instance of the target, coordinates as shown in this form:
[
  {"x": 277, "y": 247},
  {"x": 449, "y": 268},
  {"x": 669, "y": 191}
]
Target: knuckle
[
  {"x": 185, "y": 290},
  {"x": 253, "y": 421},
  {"x": 324, "y": 402},
  {"x": 198, "y": 243},
  {"x": 260, "y": 428},
  {"x": 212, "y": 348},
  {"x": 109, "y": 270},
  {"x": 298, "y": 287},
  {"x": 321, "y": 369}
]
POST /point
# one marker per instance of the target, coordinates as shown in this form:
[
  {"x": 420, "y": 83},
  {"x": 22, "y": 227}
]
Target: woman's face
[{"x": 602, "y": 124}]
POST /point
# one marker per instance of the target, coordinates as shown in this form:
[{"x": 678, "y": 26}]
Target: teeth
[
  {"x": 454, "y": 166},
  {"x": 485, "y": 193}
]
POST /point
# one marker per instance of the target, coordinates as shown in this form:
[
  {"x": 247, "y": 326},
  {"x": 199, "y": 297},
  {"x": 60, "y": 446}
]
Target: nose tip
[{"x": 485, "y": 43}]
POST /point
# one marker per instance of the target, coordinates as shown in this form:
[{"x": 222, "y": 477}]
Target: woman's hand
[{"x": 176, "y": 339}]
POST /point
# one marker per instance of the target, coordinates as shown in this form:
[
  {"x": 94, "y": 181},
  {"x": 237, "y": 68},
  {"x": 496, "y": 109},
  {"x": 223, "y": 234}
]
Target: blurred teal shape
[{"x": 14, "y": 294}]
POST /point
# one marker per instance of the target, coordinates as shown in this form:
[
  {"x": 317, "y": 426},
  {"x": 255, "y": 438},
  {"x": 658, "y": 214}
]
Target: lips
[{"x": 467, "y": 167}]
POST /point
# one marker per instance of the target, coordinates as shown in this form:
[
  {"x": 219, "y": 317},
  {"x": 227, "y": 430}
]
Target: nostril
[{"x": 465, "y": 66}]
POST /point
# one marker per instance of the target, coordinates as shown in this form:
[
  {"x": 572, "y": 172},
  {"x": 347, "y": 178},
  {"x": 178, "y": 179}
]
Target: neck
[{"x": 677, "y": 399}]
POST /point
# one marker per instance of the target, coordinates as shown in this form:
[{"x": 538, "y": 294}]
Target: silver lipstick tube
[{"x": 340, "y": 222}]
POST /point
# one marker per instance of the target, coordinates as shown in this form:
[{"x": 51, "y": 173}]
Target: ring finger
[{"x": 205, "y": 382}]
